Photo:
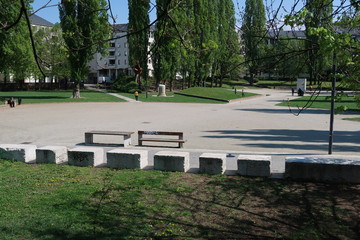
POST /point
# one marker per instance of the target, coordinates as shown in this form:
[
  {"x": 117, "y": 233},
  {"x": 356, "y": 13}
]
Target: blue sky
[{"x": 120, "y": 8}]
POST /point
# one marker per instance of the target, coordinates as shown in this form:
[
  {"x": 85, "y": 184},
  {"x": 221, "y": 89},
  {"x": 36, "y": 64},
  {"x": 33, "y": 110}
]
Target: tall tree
[
  {"x": 138, "y": 30},
  {"x": 85, "y": 30},
  {"x": 228, "y": 57},
  {"x": 254, "y": 32},
  {"x": 15, "y": 48},
  {"x": 319, "y": 16}
]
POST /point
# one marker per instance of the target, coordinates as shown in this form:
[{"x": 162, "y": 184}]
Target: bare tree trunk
[{"x": 76, "y": 90}]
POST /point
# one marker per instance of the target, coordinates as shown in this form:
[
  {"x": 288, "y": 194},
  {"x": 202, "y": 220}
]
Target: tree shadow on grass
[{"x": 218, "y": 207}]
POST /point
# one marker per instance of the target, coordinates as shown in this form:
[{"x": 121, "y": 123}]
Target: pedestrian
[
  {"x": 310, "y": 88},
  {"x": 11, "y": 102},
  {"x": 136, "y": 95},
  {"x": 235, "y": 91}
]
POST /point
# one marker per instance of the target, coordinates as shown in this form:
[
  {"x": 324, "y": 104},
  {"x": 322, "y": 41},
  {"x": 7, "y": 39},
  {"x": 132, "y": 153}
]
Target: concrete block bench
[
  {"x": 323, "y": 169},
  {"x": 18, "y": 152},
  {"x": 52, "y": 154},
  {"x": 172, "y": 161},
  {"x": 212, "y": 163},
  {"x": 86, "y": 156},
  {"x": 127, "y": 158},
  {"x": 254, "y": 165}
]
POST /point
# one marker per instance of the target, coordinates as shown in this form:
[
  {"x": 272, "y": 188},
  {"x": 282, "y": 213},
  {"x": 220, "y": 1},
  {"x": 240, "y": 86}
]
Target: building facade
[{"x": 107, "y": 68}]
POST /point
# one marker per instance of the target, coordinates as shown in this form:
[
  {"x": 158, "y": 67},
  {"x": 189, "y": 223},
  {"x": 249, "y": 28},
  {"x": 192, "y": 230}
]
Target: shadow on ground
[
  {"x": 199, "y": 207},
  {"x": 283, "y": 138}
]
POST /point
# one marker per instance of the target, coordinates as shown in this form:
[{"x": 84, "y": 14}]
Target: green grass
[
  {"x": 58, "y": 96},
  {"x": 170, "y": 97},
  {"x": 352, "y": 119},
  {"x": 323, "y": 103},
  {"x": 216, "y": 93},
  {"x": 51, "y": 201}
]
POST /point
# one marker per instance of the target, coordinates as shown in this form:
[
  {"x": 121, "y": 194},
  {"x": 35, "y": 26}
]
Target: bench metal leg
[
  {"x": 127, "y": 141},
  {"x": 89, "y": 138},
  {"x": 139, "y": 141}
]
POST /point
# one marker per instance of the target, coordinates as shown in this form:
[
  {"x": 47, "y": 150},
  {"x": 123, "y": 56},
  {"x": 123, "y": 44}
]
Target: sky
[{"x": 120, "y": 8}]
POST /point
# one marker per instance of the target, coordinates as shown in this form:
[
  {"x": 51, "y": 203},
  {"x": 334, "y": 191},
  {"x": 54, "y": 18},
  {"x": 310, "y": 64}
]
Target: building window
[
  {"x": 125, "y": 62},
  {"x": 111, "y": 53},
  {"x": 119, "y": 62},
  {"x": 112, "y": 44},
  {"x": 125, "y": 53},
  {"x": 111, "y": 62},
  {"x": 119, "y": 53},
  {"x": 125, "y": 45}
]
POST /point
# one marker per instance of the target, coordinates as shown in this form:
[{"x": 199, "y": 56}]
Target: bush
[{"x": 124, "y": 83}]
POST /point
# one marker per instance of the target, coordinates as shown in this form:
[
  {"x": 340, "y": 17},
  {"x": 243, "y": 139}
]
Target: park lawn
[
  {"x": 323, "y": 103},
  {"x": 58, "y": 96},
  {"x": 352, "y": 119},
  {"x": 216, "y": 93},
  {"x": 170, "y": 97},
  {"x": 51, "y": 201}
]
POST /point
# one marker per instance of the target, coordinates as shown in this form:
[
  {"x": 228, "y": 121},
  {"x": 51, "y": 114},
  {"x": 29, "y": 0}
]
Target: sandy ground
[{"x": 253, "y": 125}]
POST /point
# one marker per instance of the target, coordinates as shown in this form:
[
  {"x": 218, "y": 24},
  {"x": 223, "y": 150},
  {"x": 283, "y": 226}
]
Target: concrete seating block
[
  {"x": 86, "y": 156},
  {"x": 52, "y": 154},
  {"x": 335, "y": 170},
  {"x": 212, "y": 163},
  {"x": 18, "y": 152},
  {"x": 172, "y": 161},
  {"x": 254, "y": 165},
  {"x": 127, "y": 158}
]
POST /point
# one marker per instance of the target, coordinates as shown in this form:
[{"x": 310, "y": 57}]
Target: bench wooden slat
[
  {"x": 180, "y": 140},
  {"x": 162, "y": 140},
  {"x": 160, "y": 133}
]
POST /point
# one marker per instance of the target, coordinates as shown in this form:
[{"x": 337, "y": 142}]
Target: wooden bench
[
  {"x": 90, "y": 140},
  {"x": 180, "y": 140}
]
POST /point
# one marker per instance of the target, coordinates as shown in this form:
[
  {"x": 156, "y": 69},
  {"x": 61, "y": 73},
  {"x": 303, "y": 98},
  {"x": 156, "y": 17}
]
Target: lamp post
[{"x": 332, "y": 108}]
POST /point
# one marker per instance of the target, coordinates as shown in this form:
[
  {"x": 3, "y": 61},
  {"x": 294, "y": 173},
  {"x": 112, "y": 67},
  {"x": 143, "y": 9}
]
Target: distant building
[
  {"x": 107, "y": 68},
  {"x": 38, "y": 22}
]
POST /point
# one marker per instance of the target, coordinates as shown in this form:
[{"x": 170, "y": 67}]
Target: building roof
[{"x": 36, "y": 20}]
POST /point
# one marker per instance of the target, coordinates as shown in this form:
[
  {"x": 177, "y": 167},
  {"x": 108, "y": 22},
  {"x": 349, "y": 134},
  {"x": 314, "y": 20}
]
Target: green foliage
[
  {"x": 16, "y": 56},
  {"x": 195, "y": 39},
  {"x": 85, "y": 30},
  {"x": 125, "y": 83},
  {"x": 138, "y": 30},
  {"x": 254, "y": 32}
]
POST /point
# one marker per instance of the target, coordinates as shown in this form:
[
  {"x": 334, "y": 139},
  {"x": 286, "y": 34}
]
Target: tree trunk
[{"x": 76, "y": 90}]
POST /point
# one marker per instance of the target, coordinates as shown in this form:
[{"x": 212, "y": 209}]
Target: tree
[
  {"x": 229, "y": 56},
  {"x": 51, "y": 50},
  {"x": 15, "y": 48},
  {"x": 254, "y": 33},
  {"x": 138, "y": 35},
  {"x": 85, "y": 30},
  {"x": 319, "y": 16}
]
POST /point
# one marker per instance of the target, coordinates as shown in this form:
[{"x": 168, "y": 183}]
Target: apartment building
[{"x": 106, "y": 68}]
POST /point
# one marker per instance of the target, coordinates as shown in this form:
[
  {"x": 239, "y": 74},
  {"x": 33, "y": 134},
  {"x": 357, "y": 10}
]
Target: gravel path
[{"x": 253, "y": 125}]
